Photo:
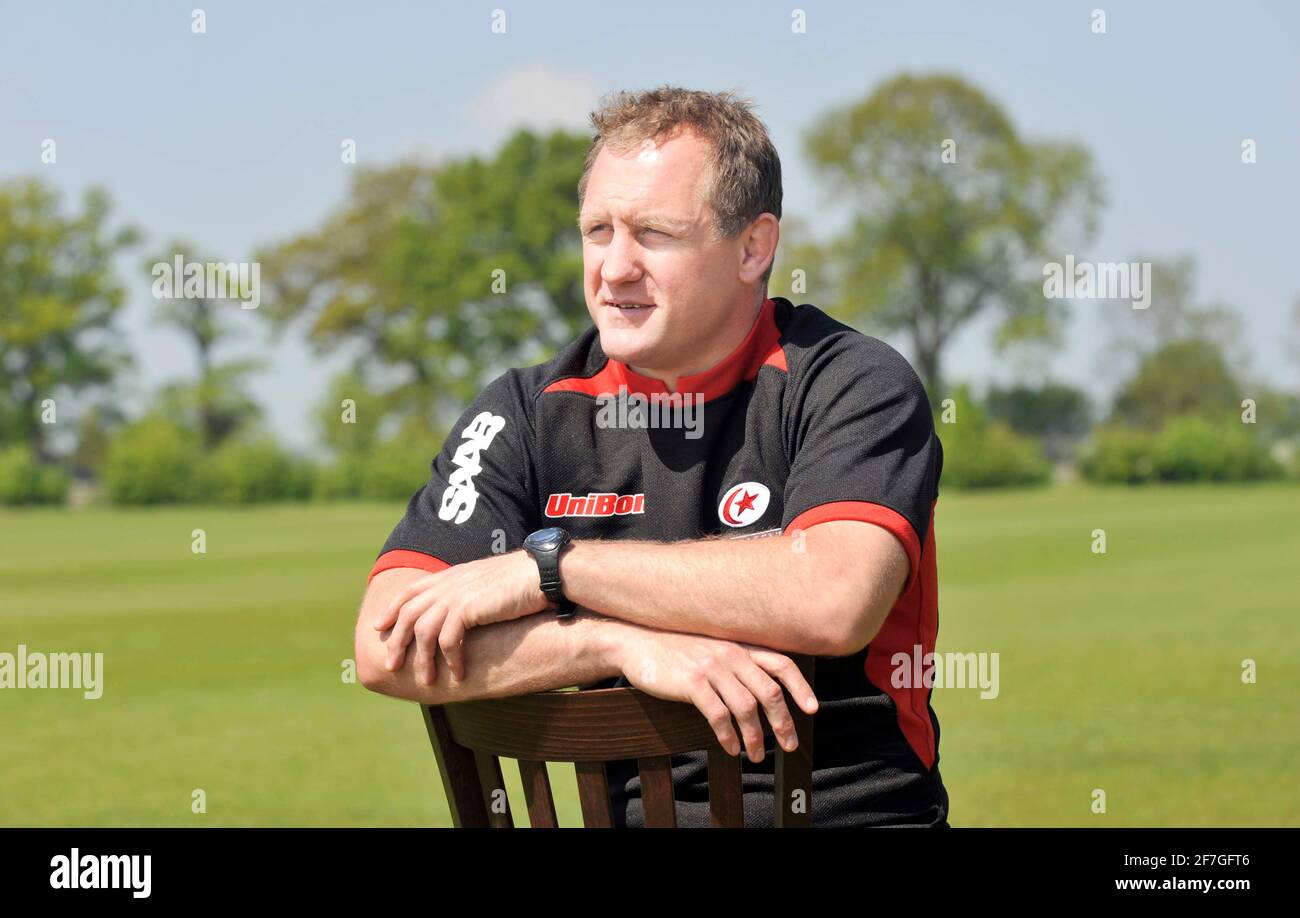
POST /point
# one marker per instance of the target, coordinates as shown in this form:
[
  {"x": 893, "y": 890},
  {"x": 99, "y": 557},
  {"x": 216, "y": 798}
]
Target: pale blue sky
[{"x": 232, "y": 138}]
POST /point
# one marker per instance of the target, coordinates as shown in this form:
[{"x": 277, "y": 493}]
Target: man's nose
[{"x": 621, "y": 262}]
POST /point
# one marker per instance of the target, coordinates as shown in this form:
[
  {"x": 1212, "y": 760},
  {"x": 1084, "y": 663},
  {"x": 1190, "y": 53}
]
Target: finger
[
  {"x": 426, "y": 645},
  {"x": 768, "y": 693},
  {"x": 452, "y": 641},
  {"x": 784, "y": 669},
  {"x": 744, "y": 708},
  {"x": 715, "y": 712},
  {"x": 404, "y": 628},
  {"x": 388, "y": 617}
]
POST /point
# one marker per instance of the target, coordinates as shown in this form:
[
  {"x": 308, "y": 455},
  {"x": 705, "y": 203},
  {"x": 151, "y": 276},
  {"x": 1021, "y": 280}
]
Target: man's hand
[
  {"x": 721, "y": 678},
  {"x": 437, "y": 610}
]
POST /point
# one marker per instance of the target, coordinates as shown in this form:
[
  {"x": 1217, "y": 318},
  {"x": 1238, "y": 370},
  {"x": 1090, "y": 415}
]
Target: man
[{"x": 695, "y": 413}]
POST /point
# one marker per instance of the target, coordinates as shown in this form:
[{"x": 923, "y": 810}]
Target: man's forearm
[
  {"x": 825, "y": 594},
  {"x": 533, "y": 654},
  {"x": 699, "y": 587}
]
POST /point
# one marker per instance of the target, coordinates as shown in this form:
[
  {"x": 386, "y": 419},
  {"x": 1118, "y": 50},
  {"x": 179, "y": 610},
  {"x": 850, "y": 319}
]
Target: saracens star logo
[{"x": 744, "y": 503}]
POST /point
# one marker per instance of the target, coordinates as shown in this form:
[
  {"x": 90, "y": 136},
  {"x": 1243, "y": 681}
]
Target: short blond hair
[{"x": 745, "y": 170}]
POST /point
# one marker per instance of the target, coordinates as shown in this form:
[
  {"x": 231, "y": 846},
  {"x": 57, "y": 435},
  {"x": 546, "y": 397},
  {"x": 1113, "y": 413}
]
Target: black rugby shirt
[{"x": 807, "y": 421}]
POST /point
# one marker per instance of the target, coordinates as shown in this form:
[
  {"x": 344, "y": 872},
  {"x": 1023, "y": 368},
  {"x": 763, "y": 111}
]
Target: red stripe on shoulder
[
  {"x": 867, "y": 512},
  {"x": 403, "y": 558},
  {"x": 912, "y": 625},
  {"x": 908, "y": 635}
]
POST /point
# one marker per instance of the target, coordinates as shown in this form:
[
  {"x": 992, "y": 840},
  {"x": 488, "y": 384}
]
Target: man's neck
[{"x": 716, "y": 355}]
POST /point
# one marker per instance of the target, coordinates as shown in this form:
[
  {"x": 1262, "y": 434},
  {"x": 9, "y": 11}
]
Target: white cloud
[{"x": 537, "y": 97}]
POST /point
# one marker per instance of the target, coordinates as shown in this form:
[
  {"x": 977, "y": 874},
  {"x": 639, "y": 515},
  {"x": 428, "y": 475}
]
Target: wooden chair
[{"x": 590, "y": 728}]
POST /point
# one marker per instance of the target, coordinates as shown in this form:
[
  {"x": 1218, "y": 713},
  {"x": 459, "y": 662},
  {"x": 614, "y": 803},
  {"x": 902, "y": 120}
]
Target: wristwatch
[{"x": 545, "y": 546}]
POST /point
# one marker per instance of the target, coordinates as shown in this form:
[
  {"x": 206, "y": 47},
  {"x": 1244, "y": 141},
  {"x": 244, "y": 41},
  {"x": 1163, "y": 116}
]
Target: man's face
[{"x": 648, "y": 239}]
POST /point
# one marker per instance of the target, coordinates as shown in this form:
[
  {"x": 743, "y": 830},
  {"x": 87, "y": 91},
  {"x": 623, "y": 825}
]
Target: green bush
[
  {"x": 152, "y": 461},
  {"x": 393, "y": 470},
  {"x": 1193, "y": 449},
  {"x": 156, "y": 461},
  {"x": 1119, "y": 455},
  {"x": 979, "y": 453},
  {"x": 24, "y": 479},
  {"x": 994, "y": 457},
  {"x": 253, "y": 471},
  {"x": 396, "y": 469},
  {"x": 1186, "y": 449},
  {"x": 340, "y": 479}
]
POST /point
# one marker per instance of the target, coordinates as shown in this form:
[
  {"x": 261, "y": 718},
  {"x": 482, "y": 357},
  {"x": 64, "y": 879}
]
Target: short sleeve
[
  {"x": 863, "y": 443},
  {"x": 479, "y": 499}
]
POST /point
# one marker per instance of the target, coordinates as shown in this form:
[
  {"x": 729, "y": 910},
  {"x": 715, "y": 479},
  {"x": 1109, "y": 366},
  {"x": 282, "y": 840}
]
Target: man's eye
[{"x": 600, "y": 227}]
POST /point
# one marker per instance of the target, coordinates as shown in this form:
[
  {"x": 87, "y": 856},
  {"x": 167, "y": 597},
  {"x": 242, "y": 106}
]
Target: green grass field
[{"x": 1119, "y": 671}]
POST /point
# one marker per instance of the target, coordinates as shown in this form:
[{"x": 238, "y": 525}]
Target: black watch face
[{"x": 546, "y": 539}]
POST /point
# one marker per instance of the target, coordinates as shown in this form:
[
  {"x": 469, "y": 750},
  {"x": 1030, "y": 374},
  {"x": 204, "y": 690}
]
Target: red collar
[{"x": 761, "y": 346}]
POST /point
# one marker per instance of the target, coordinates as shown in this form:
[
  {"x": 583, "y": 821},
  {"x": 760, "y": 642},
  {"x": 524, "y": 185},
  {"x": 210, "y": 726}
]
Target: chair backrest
[{"x": 590, "y": 728}]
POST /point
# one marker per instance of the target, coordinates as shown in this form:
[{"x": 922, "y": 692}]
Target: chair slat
[
  {"x": 494, "y": 790},
  {"x": 537, "y": 792},
  {"x": 726, "y": 802},
  {"x": 593, "y": 794},
  {"x": 657, "y": 792},
  {"x": 458, "y": 770},
  {"x": 793, "y": 772}
]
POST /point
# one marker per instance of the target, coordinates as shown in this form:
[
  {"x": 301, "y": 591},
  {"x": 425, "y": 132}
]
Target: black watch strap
[
  {"x": 548, "y": 571},
  {"x": 548, "y": 567}
]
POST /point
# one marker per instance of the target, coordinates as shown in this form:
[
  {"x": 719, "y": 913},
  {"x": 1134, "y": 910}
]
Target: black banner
[{"x": 332, "y": 866}]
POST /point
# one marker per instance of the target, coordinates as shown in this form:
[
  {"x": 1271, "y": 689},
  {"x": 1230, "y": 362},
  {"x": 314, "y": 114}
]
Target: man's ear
[{"x": 758, "y": 247}]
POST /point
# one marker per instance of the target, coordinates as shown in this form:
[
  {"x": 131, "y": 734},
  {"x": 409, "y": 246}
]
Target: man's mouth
[{"x": 629, "y": 306}]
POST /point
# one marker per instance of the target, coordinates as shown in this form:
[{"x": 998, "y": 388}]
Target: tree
[
  {"x": 1174, "y": 315},
  {"x": 1184, "y": 377},
  {"x": 347, "y": 419},
  {"x": 1185, "y": 354},
  {"x": 955, "y": 214},
  {"x": 215, "y": 404},
  {"x": 58, "y": 300},
  {"x": 1057, "y": 414},
  {"x": 440, "y": 276},
  {"x": 96, "y": 428}
]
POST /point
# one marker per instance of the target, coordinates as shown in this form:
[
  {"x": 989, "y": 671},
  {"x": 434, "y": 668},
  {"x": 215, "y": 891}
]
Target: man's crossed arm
[{"x": 704, "y": 622}]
